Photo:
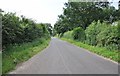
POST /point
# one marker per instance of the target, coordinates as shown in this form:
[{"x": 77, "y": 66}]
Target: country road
[{"x": 61, "y": 57}]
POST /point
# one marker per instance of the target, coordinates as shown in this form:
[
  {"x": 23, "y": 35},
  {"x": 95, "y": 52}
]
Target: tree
[
  {"x": 81, "y": 14},
  {"x": 49, "y": 28}
]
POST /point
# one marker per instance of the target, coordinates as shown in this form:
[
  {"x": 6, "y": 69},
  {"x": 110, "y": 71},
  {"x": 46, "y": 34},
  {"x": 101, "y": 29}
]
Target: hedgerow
[
  {"x": 68, "y": 35},
  {"x": 98, "y": 33},
  {"x": 16, "y": 30},
  {"x": 103, "y": 35},
  {"x": 78, "y": 34}
]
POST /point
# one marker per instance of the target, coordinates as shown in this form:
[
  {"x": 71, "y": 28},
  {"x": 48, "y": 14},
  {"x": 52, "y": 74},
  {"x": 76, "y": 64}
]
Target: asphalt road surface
[{"x": 61, "y": 57}]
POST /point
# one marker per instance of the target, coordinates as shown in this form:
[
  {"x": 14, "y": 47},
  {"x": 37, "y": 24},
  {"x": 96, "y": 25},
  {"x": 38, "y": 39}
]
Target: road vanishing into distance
[{"x": 61, "y": 57}]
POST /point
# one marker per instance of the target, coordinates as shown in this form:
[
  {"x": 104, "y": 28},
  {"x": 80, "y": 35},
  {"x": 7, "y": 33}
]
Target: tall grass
[{"x": 16, "y": 54}]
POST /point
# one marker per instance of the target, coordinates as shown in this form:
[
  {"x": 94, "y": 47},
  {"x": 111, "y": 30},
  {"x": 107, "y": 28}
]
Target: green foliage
[
  {"x": 103, "y": 35},
  {"x": 78, "y": 34},
  {"x": 91, "y": 34},
  {"x": 109, "y": 38},
  {"x": 54, "y": 33},
  {"x": 21, "y": 39},
  {"x": 68, "y": 35},
  {"x": 119, "y": 28},
  {"x": 98, "y": 21},
  {"x": 82, "y": 14},
  {"x": 49, "y": 28},
  {"x": 16, "y": 30},
  {"x": 15, "y": 54},
  {"x": 93, "y": 30},
  {"x": 98, "y": 34}
]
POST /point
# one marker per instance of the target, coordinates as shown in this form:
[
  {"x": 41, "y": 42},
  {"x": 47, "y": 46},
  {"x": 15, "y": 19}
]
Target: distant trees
[
  {"x": 16, "y": 30},
  {"x": 49, "y": 28}
]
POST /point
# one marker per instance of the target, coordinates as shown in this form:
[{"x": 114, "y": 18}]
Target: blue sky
[{"x": 45, "y": 11}]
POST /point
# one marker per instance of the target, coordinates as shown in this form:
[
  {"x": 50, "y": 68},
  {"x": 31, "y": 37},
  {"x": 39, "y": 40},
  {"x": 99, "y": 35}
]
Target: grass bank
[
  {"x": 16, "y": 54},
  {"x": 113, "y": 55}
]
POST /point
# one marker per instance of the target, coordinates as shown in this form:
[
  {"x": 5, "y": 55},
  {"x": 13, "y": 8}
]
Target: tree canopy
[{"x": 81, "y": 14}]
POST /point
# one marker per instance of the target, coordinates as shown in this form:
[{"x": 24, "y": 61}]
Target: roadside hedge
[
  {"x": 103, "y": 35},
  {"x": 16, "y": 30},
  {"x": 78, "y": 34},
  {"x": 100, "y": 34},
  {"x": 68, "y": 35}
]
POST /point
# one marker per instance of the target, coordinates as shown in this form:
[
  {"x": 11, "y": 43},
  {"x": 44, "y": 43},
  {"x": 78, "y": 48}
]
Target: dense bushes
[
  {"x": 68, "y": 35},
  {"x": 99, "y": 34},
  {"x": 103, "y": 34},
  {"x": 93, "y": 30},
  {"x": 109, "y": 38},
  {"x": 21, "y": 39},
  {"x": 78, "y": 34},
  {"x": 20, "y": 29}
]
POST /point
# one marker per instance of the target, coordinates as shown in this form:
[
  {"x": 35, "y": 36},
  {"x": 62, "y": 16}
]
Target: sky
[
  {"x": 42, "y": 11},
  {"x": 45, "y": 11}
]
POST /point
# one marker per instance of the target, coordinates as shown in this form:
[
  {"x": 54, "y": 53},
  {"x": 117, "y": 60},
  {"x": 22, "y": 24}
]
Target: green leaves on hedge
[
  {"x": 98, "y": 34},
  {"x": 103, "y": 35},
  {"x": 17, "y": 30},
  {"x": 78, "y": 34}
]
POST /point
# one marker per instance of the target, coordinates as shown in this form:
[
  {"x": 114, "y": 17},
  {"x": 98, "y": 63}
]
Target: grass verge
[
  {"x": 113, "y": 55},
  {"x": 16, "y": 54}
]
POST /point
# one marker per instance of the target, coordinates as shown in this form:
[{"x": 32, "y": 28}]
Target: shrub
[
  {"x": 103, "y": 35},
  {"x": 68, "y": 35},
  {"x": 93, "y": 30},
  {"x": 17, "y": 30},
  {"x": 109, "y": 37},
  {"x": 91, "y": 34},
  {"x": 78, "y": 34}
]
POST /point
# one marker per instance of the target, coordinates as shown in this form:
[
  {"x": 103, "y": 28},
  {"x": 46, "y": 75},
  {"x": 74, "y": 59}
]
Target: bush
[
  {"x": 68, "y": 35},
  {"x": 109, "y": 37},
  {"x": 98, "y": 34},
  {"x": 17, "y": 30},
  {"x": 93, "y": 30},
  {"x": 78, "y": 34},
  {"x": 103, "y": 35},
  {"x": 91, "y": 34}
]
